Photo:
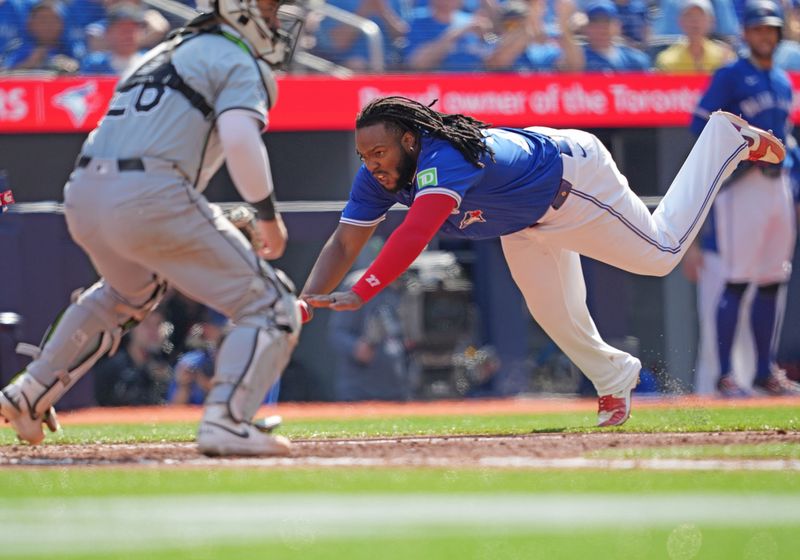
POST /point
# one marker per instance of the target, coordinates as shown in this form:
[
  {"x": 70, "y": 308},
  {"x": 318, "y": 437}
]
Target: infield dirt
[{"x": 450, "y": 451}]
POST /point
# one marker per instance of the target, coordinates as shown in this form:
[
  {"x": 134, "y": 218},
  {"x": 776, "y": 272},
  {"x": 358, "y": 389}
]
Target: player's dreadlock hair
[{"x": 407, "y": 115}]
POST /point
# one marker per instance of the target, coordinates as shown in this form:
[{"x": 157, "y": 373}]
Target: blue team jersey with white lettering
[
  {"x": 762, "y": 97},
  {"x": 508, "y": 194}
]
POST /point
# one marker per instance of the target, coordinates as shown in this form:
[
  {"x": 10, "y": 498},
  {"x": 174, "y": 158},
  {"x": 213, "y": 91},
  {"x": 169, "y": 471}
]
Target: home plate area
[{"x": 528, "y": 451}]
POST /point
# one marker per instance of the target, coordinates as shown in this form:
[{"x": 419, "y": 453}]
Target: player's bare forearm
[{"x": 336, "y": 258}]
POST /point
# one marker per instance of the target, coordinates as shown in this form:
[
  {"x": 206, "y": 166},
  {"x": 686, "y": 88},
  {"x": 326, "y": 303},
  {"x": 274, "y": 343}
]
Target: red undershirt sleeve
[{"x": 425, "y": 217}]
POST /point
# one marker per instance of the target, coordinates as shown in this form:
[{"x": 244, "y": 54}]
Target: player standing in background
[
  {"x": 753, "y": 216},
  {"x": 549, "y": 195},
  {"x": 134, "y": 203}
]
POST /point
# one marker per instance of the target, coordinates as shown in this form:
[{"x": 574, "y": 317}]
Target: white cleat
[
  {"x": 219, "y": 434},
  {"x": 15, "y": 408},
  {"x": 764, "y": 146}
]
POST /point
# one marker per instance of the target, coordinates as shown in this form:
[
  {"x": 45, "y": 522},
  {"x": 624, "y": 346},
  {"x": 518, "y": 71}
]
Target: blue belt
[{"x": 565, "y": 187}]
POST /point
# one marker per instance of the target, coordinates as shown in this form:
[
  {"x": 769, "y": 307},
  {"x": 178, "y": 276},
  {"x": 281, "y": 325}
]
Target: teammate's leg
[
  {"x": 774, "y": 267},
  {"x": 710, "y": 284},
  {"x": 727, "y": 321},
  {"x": 763, "y": 319},
  {"x": 552, "y": 282}
]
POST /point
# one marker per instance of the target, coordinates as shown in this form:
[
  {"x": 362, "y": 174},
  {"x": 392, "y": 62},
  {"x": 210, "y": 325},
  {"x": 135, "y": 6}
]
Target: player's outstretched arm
[
  {"x": 426, "y": 216},
  {"x": 336, "y": 258}
]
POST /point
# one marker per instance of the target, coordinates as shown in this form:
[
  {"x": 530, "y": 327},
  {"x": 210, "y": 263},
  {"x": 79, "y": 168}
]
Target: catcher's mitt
[{"x": 244, "y": 218}]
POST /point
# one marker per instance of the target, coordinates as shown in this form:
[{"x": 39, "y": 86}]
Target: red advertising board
[{"x": 76, "y": 104}]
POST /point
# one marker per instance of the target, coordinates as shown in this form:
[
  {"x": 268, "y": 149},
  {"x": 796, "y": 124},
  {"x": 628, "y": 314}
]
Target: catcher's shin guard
[
  {"x": 89, "y": 329},
  {"x": 250, "y": 361}
]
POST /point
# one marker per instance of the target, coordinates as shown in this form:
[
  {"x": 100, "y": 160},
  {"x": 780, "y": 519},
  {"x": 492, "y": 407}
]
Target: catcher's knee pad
[
  {"x": 250, "y": 361},
  {"x": 274, "y": 307},
  {"x": 89, "y": 329}
]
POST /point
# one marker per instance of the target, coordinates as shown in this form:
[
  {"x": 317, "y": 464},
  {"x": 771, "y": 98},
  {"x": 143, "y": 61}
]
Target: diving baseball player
[
  {"x": 549, "y": 195},
  {"x": 134, "y": 203},
  {"x": 752, "y": 219}
]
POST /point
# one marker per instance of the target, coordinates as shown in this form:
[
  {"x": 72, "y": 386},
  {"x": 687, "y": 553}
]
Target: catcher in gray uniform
[{"x": 134, "y": 204}]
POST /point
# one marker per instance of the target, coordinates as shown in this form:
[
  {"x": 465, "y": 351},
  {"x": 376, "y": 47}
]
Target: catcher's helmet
[
  {"x": 273, "y": 45},
  {"x": 763, "y": 12}
]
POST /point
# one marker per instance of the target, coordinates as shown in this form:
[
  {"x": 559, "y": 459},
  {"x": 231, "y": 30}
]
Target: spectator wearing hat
[
  {"x": 605, "y": 50},
  {"x": 124, "y": 36},
  {"x": 443, "y": 37},
  {"x": 525, "y": 45},
  {"x": 695, "y": 51},
  {"x": 726, "y": 22},
  {"x": 44, "y": 47},
  {"x": 635, "y": 18},
  {"x": 156, "y": 26}
]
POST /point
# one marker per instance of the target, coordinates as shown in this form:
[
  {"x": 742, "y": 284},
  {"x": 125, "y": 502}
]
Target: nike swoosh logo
[{"x": 244, "y": 434}]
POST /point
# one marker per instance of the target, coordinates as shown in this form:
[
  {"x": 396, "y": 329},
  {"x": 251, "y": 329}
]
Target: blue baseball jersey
[
  {"x": 508, "y": 194},
  {"x": 762, "y": 97}
]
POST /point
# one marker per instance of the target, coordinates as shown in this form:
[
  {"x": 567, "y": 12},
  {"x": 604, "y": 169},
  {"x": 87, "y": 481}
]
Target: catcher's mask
[{"x": 271, "y": 42}]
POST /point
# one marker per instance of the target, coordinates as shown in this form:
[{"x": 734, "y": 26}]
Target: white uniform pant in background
[
  {"x": 754, "y": 226},
  {"x": 604, "y": 219},
  {"x": 755, "y": 229},
  {"x": 710, "y": 285}
]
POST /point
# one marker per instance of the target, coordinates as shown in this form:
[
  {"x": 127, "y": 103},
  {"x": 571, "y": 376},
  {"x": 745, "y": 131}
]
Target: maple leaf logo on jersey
[
  {"x": 471, "y": 217},
  {"x": 78, "y": 101}
]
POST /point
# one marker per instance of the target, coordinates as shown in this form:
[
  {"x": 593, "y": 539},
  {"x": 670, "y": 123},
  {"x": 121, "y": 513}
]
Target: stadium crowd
[{"x": 106, "y": 36}]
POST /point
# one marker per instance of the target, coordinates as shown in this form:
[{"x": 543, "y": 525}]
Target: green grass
[
  {"x": 647, "y": 420},
  {"x": 65, "y": 495},
  {"x": 678, "y": 543},
  {"x": 740, "y": 451},
  {"x": 71, "y": 482}
]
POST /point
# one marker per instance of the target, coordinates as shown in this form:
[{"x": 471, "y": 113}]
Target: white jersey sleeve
[{"x": 245, "y": 154}]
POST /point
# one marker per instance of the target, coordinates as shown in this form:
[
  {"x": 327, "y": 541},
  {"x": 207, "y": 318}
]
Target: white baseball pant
[
  {"x": 755, "y": 228},
  {"x": 605, "y": 220},
  {"x": 710, "y": 284}
]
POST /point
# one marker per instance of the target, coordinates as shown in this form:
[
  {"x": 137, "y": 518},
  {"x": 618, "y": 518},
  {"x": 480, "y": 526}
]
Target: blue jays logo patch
[{"x": 471, "y": 217}]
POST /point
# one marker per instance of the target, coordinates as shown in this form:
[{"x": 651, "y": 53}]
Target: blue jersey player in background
[
  {"x": 753, "y": 222},
  {"x": 549, "y": 195}
]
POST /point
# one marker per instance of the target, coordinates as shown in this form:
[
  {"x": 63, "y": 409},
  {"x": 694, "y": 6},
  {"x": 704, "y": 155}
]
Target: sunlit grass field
[
  {"x": 643, "y": 420},
  {"x": 209, "y": 512}
]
